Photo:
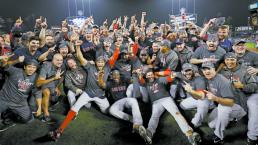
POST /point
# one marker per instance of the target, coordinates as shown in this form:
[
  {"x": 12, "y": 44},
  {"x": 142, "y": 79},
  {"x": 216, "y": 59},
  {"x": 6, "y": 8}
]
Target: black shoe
[
  {"x": 251, "y": 142},
  {"x": 4, "y": 126},
  {"x": 232, "y": 123},
  {"x": 217, "y": 140},
  {"x": 54, "y": 135},
  {"x": 48, "y": 120}
]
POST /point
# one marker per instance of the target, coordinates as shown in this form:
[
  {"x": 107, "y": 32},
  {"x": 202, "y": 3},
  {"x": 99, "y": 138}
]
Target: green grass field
[{"x": 94, "y": 128}]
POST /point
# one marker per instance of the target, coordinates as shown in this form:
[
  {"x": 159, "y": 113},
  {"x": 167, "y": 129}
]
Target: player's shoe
[
  {"x": 217, "y": 140},
  {"x": 54, "y": 135},
  {"x": 251, "y": 142},
  {"x": 5, "y": 126},
  {"x": 142, "y": 132},
  {"x": 150, "y": 135},
  {"x": 194, "y": 139},
  {"x": 47, "y": 119}
]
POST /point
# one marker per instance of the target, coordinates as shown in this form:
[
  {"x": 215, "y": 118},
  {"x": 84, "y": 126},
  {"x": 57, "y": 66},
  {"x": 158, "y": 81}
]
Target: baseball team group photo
[{"x": 129, "y": 72}]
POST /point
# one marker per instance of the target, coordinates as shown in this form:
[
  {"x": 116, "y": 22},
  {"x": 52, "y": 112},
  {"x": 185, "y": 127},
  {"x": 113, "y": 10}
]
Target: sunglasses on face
[{"x": 143, "y": 54}]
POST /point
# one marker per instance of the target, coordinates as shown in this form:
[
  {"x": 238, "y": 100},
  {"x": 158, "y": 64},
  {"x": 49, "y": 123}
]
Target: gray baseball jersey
[
  {"x": 75, "y": 79},
  {"x": 197, "y": 83},
  {"x": 48, "y": 70},
  {"x": 117, "y": 90},
  {"x": 249, "y": 59},
  {"x": 157, "y": 89},
  {"x": 125, "y": 67},
  {"x": 203, "y": 52},
  {"x": 168, "y": 60},
  {"x": 220, "y": 86},
  {"x": 102, "y": 52},
  {"x": 184, "y": 55},
  {"x": 92, "y": 88},
  {"x": 17, "y": 87},
  {"x": 250, "y": 85}
]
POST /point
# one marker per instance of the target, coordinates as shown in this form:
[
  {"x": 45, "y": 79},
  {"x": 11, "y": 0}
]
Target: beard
[{"x": 50, "y": 44}]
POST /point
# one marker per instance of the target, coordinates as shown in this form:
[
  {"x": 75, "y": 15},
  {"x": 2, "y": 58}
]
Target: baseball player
[
  {"x": 168, "y": 58},
  {"x": 49, "y": 80},
  {"x": 94, "y": 91},
  {"x": 193, "y": 93},
  {"x": 75, "y": 80},
  {"x": 210, "y": 52},
  {"x": 105, "y": 50},
  {"x": 127, "y": 63},
  {"x": 117, "y": 90},
  {"x": 246, "y": 89},
  {"x": 16, "y": 90},
  {"x": 184, "y": 53},
  {"x": 88, "y": 48},
  {"x": 162, "y": 101},
  {"x": 222, "y": 33},
  {"x": 246, "y": 57},
  {"x": 219, "y": 91}
]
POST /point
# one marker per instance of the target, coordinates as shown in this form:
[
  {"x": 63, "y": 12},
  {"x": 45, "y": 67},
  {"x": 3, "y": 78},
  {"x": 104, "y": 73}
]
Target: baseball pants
[
  {"x": 252, "y": 105},
  {"x": 221, "y": 115},
  {"x": 159, "y": 106},
  {"x": 131, "y": 103},
  {"x": 72, "y": 99},
  {"x": 202, "y": 109},
  {"x": 22, "y": 113},
  {"x": 137, "y": 91},
  {"x": 84, "y": 99}
]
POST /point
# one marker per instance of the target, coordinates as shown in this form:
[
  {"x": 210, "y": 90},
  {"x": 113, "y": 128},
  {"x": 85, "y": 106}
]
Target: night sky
[{"x": 157, "y": 10}]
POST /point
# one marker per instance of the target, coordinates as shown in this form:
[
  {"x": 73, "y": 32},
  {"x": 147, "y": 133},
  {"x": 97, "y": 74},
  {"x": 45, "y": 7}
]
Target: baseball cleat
[
  {"x": 54, "y": 135},
  {"x": 4, "y": 126},
  {"x": 194, "y": 139},
  {"x": 48, "y": 120},
  {"x": 139, "y": 129},
  {"x": 143, "y": 134},
  {"x": 217, "y": 140}
]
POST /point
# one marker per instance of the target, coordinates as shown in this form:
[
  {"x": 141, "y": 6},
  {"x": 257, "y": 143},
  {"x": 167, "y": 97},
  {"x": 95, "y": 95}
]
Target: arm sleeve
[
  {"x": 225, "y": 90},
  {"x": 255, "y": 59},
  {"x": 11, "y": 69},
  {"x": 189, "y": 56},
  {"x": 87, "y": 66},
  {"x": 197, "y": 53},
  {"x": 43, "y": 71},
  {"x": 199, "y": 84},
  {"x": 113, "y": 59},
  {"x": 250, "y": 85},
  {"x": 165, "y": 80},
  {"x": 173, "y": 62}
]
